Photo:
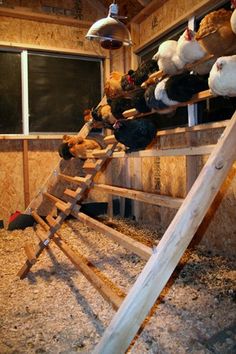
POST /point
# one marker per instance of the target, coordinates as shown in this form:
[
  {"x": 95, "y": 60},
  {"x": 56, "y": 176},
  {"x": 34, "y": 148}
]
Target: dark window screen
[
  {"x": 10, "y": 93},
  {"x": 60, "y": 89}
]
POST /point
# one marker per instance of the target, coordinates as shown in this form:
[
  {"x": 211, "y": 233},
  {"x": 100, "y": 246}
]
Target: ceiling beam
[
  {"x": 25, "y": 13},
  {"x": 144, "y": 2}
]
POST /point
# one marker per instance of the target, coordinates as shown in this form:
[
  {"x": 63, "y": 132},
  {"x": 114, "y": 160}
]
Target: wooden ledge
[{"x": 27, "y": 14}]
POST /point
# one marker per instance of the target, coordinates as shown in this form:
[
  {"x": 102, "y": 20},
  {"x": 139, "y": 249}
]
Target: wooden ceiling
[
  {"x": 129, "y": 8},
  {"x": 72, "y": 8}
]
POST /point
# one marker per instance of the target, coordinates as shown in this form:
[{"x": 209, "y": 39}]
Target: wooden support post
[
  {"x": 26, "y": 172},
  {"x": 176, "y": 239},
  {"x": 192, "y": 162}
]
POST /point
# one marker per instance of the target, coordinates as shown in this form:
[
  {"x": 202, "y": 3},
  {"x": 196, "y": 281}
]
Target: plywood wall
[
  {"x": 11, "y": 178},
  {"x": 167, "y": 15},
  {"x": 47, "y": 36}
]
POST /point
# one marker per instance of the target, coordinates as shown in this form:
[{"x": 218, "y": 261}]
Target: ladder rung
[
  {"x": 89, "y": 165},
  {"x": 60, "y": 204},
  {"x": 73, "y": 194},
  {"x": 103, "y": 153},
  {"x": 30, "y": 253},
  {"x": 130, "y": 113},
  {"x": 64, "y": 207},
  {"x": 110, "y": 139},
  {"x": 75, "y": 179},
  {"x": 51, "y": 221},
  {"x": 39, "y": 220}
]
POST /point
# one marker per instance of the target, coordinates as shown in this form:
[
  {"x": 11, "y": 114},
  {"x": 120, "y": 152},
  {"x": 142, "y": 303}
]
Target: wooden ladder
[{"x": 161, "y": 261}]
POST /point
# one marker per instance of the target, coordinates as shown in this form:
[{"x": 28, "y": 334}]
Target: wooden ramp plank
[
  {"x": 108, "y": 294},
  {"x": 145, "y": 197},
  {"x": 162, "y": 263},
  {"x": 134, "y": 246},
  {"x": 84, "y": 267}
]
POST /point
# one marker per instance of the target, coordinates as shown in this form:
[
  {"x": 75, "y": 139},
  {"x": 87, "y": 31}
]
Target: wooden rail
[{"x": 145, "y": 197}]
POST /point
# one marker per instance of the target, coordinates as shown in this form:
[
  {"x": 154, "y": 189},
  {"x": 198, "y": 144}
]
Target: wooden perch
[
  {"x": 145, "y": 197},
  {"x": 200, "y": 96},
  {"x": 153, "y": 78}
]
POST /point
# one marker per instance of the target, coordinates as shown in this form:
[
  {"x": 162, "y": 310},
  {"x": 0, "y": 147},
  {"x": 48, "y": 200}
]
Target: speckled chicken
[{"x": 222, "y": 78}]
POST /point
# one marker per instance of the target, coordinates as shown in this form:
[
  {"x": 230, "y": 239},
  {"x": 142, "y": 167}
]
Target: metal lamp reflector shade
[{"x": 110, "y": 32}]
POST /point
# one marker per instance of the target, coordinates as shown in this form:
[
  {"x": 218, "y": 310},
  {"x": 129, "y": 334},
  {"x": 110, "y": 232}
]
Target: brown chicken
[
  {"x": 77, "y": 146},
  {"x": 215, "y": 33},
  {"x": 88, "y": 117},
  {"x": 112, "y": 86}
]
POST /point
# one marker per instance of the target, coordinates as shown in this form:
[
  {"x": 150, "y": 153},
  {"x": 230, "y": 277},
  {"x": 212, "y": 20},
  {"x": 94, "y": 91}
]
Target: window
[
  {"x": 10, "y": 93},
  {"x": 55, "y": 91}
]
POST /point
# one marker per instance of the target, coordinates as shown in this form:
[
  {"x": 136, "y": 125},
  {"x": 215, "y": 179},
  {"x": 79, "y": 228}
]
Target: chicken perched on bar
[{"x": 77, "y": 146}]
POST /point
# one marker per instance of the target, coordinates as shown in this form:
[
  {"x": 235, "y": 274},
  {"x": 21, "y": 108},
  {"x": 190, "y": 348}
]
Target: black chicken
[
  {"x": 121, "y": 104},
  {"x": 182, "y": 87},
  {"x": 135, "y": 134},
  {"x": 137, "y": 77}
]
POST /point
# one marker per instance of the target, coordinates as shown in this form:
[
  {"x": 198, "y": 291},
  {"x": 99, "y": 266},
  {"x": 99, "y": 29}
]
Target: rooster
[
  {"x": 188, "y": 49},
  {"x": 222, "y": 78},
  {"x": 137, "y": 77},
  {"x": 167, "y": 58}
]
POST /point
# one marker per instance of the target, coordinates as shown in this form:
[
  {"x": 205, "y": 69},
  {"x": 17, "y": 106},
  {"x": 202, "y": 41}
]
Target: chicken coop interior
[{"x": 118, "y": 176}]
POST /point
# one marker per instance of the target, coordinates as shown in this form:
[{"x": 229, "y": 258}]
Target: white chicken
[
  {"x": 222, "y": 78},
  {"x": 161, "y": 94},
  {"x": 167, "y": 58},
  {"x": 188, "y": 48},
  {"x": 233, "y": 16}
]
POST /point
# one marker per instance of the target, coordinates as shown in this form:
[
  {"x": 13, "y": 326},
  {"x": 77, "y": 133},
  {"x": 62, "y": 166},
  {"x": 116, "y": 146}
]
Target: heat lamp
[{"x": 109, "y": 31}]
